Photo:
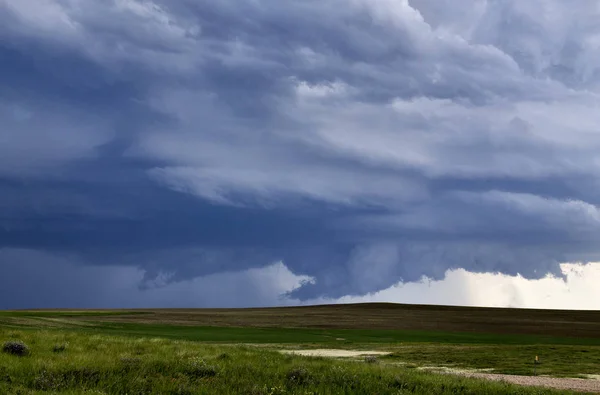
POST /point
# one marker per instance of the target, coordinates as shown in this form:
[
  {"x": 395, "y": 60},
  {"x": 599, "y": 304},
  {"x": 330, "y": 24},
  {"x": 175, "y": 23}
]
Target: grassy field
[
  {"x": 64, "y": 362},
  {"x": 555, "y": 360},
  {"x": 236, "y": 351},
  {"x": 557, "y": 323}
]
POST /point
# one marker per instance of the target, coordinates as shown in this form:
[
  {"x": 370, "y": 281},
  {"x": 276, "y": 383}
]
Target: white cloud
[
  {"x": 111, "y": 33},
  {"x": 444, "y": 137},
  {"x": 41, "y": 18},
  {"x": 322, "y": 91},
  {"x": 229, "y": 157},
  {"x": 275, "y": 187},
  {"x": 578, "y": 291}
]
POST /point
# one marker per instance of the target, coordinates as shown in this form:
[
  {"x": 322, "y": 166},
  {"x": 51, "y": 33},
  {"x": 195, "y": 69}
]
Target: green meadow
[{"x": 134, "y": 352}]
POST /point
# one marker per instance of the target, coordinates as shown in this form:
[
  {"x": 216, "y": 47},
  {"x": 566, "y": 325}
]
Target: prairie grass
[
  {"x": 555, "y": 360},
  {"x": 544, "y": 324},
  {"x": 349, "y": 338},
  {"x": 111, "y": 364}
]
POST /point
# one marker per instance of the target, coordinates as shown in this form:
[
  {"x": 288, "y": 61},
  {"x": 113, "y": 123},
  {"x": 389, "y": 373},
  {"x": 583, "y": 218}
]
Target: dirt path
[
  {"x": 333, "y": 353},
  {"x": 584, "y": 385}
]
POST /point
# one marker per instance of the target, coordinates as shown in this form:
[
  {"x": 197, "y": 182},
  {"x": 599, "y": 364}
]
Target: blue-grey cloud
[{"x": 360, "y": 142}]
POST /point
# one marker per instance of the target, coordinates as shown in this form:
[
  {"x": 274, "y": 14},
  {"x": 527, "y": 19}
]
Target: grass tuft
[
  {"x": 47, "y": 381},
  {"x": 197, "y": 368},
  {"x": 130, "y": 361},
  {"x": 371, "y": 359},
  {"x": 403, "y": 384},
  {"x": 58, "y": 348},
  {"x": 299, "y": 376}
]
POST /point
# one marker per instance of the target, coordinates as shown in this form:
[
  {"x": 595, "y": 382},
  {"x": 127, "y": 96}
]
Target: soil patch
[
  {"x": 584, "y": 385},
  {"x": 333, "y": 353}
]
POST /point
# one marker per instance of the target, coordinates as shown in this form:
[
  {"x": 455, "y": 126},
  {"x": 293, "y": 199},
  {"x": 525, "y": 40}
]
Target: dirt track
[
  {"x": 583, "y": 385},
  {"x": 332, "y": 353}
]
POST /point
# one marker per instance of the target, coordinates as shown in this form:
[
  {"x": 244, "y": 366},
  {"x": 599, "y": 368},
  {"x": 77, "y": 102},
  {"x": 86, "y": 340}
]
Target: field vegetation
[
  {"x": 62, "y": 362},
  {"x": 238, "y": 351}
]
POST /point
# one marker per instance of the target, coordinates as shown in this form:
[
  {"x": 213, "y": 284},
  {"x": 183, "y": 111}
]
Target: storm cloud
[{"x": 356, "y": 144}]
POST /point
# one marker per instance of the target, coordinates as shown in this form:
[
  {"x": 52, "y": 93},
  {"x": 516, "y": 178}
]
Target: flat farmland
[{"x": 376, "y": 316}]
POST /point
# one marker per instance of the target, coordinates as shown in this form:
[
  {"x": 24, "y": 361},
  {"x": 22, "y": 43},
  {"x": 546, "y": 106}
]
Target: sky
[{"x": 201, "y": 153}]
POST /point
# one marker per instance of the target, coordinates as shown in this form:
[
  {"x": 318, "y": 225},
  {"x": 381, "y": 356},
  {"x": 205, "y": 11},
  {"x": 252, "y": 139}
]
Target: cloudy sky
[{"x": 266, "y": 152}]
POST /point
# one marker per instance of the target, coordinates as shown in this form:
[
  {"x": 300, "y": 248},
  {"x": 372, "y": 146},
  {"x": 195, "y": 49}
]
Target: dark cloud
[
  {"x": 66, "y": 281},
  {"x": 361, "y": 143}
]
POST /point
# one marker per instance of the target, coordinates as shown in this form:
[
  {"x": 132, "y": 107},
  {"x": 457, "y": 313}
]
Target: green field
[{"x": 237, "y": 351}]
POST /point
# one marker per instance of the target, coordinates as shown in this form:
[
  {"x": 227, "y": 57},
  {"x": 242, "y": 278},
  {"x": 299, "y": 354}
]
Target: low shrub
[{"x": 17, "y": 348}]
